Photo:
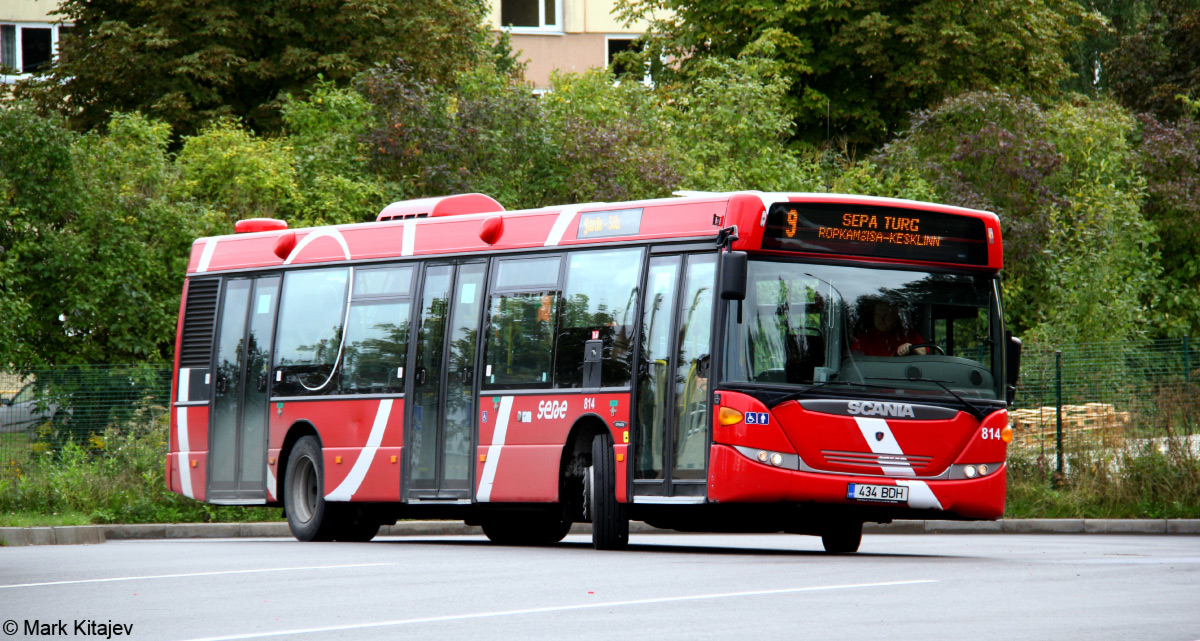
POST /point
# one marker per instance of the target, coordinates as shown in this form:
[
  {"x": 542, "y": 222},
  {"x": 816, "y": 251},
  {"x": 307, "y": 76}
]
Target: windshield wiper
[
  {"x": 795, "y": 395},
  {"x": 972, "y": 409}
]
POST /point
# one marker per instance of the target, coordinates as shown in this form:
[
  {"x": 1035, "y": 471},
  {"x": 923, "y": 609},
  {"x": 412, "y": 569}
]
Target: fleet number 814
[{"x": 991, "y": 433}]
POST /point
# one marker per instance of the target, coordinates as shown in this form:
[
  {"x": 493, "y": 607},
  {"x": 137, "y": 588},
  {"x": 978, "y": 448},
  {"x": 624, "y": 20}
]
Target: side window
[
  {"x": 377, "y": 331},
  {"x": 599, "y": 300},
  {"x": 521, "y": 316},
  {"x": 309, "y": 341}
]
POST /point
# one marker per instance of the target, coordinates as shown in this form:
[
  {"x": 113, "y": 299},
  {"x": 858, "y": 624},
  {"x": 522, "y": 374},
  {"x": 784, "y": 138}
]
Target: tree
[
  {"x": 1079, "y": 259},
  {"x": 188, "y": 63},
  {"x": 858, "y": 68},
  {"x": 1169, "y": 155},
  {"x": 96, "y": 241},
  {"x": 1155, "y": 69}
]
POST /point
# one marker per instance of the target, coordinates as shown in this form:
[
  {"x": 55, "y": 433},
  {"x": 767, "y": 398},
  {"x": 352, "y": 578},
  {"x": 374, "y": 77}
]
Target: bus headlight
[
  {"x": 768, "y": 457},
  {"x": 961, "y": 471}
]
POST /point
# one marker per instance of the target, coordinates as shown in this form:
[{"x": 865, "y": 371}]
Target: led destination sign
[
  {"x": 604, "y": 224},
  {"x": 881, "y": 232}
]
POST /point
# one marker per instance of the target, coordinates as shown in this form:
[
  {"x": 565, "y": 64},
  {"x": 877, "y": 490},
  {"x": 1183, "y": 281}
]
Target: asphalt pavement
[{"x": 986, "y": 586}]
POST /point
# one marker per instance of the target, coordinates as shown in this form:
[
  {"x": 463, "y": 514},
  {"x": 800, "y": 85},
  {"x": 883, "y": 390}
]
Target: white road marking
[
  {"x": 562, "y": 608},
  {"x": 191, "y": 574}
]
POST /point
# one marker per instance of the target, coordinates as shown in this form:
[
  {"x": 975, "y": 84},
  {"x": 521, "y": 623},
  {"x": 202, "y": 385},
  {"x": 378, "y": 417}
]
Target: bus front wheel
[
  {"x": 843, "y": 537},
  {"x": 610, "y": 519},
  {"x": 309, "y": 517}
]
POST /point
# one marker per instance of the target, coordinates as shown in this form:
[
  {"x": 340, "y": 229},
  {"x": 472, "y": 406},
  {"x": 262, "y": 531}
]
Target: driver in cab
[{"x": 887, "y": 336}]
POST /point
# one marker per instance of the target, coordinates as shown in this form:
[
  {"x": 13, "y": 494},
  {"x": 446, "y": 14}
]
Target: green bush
[{"x": 115, "y": 477}]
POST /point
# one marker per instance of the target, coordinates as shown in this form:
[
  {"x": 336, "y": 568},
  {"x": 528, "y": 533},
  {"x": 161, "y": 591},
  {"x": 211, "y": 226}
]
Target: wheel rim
[{"x": 304, "y": 488}]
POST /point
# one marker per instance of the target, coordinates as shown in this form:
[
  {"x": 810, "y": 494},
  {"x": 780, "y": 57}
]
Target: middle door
[{"x": 442, "y": 411}]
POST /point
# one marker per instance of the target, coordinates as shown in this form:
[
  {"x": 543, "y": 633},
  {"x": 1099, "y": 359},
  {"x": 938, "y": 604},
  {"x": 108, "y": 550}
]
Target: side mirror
[
  {"x": 1012, "y": 364},
  {"x": 733, "y": 275}
]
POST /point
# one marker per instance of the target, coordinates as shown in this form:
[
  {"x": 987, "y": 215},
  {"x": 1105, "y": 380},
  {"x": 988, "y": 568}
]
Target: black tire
[
  {"x": 610, "y": 519},
  {"x": 309, "y": 517},
  {"x": 527, "y": 528},
  {"x": 843, "y": 537}
]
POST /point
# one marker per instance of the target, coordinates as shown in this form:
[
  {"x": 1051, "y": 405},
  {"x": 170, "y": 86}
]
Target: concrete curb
[
  {"x": 91, "y": 534},
  {"x": 59, "y": 535}
]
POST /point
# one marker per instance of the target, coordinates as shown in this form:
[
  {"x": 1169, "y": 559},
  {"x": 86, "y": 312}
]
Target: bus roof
[{"x": 473, "y": 223}]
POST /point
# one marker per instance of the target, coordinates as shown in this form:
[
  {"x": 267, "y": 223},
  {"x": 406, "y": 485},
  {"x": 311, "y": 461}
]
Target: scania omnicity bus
[{"x": 719, "y": 362}]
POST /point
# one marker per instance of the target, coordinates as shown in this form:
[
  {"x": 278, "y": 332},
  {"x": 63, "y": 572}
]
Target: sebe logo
[
  {"x": 867, "y": 408},
  {"x": 552, "y": 409}
]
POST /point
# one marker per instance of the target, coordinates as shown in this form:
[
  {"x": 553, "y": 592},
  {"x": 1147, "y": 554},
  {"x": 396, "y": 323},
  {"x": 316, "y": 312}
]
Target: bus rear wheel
[
  {"x": 309, "y": 517},
  {"x": 843, "y": 537},
  {"x": 610, "y": 519}
]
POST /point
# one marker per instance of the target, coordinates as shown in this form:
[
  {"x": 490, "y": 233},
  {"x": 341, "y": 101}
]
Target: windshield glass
[{"x": 910, "y": 333}]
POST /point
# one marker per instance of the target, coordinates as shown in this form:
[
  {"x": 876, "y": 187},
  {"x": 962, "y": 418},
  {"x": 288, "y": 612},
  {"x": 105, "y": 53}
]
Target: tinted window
[
  {"x": 599, "y": 301},
  {"x": 520, "y": 340},
  {"x": 389, "y": 281},
  {"x": 528, "y": 273},
  {"x": 312, "y": 309},
  {"x": 376, "y": 346}
]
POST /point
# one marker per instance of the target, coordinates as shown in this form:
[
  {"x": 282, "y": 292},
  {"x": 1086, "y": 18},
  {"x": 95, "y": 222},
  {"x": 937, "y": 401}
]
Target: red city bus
[{"x": 734, "y": 362}]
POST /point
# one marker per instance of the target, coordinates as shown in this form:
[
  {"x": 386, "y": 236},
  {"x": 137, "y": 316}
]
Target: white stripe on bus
[
  {"x": 349, "y": 485},
  {"x": 185, "y": 380},
  {"x": 320, "y": 232},
  {"x": 561, "y": 223},
  {"x": 185, "y": 472},
  {"x": 493, "y": 453},
  {"x": 210, "y": 245},
  {"x": 920, "y": 496},
  {"x": 408, "y": 243},
  {"x": 271, "y": 482},
  {"x": 888, "y": 445}
]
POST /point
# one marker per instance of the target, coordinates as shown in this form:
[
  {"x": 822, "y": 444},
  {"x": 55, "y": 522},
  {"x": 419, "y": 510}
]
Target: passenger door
[
  {"x": 237, "y": 457},
  {"x": 672, "y": 436},
  {"x": 441, "y": 411}
]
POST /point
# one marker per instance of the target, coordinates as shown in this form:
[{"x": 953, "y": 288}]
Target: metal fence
[
  {"x": 42, "y": 410},
  {"x": 1106, "y": 394},
  {"x": 1096, "y": 392}
]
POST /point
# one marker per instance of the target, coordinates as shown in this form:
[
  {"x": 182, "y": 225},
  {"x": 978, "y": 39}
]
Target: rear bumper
[{"x": 734, "y": 478}]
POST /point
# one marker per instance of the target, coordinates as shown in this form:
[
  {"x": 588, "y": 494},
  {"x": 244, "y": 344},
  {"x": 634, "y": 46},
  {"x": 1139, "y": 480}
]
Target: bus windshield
[{"x": 880, "y": 331}]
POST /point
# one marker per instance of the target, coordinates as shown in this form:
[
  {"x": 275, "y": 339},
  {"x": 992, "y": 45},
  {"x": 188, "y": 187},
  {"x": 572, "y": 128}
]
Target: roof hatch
[{"x": 456, "y": 205}]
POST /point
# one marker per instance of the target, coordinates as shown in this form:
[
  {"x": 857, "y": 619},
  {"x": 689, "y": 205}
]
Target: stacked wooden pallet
[{"x": 1038, "y": 426}]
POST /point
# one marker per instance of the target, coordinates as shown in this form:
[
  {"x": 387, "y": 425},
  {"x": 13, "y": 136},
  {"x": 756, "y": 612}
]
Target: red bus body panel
[{"x": 363, "y": 439}]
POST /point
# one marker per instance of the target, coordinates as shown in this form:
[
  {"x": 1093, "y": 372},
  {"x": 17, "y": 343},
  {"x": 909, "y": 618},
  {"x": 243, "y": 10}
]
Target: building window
[
  {"x": 616, "y": 45},
  {"x": 26, "y": 47},
  {"x": 521, "y": 15}
]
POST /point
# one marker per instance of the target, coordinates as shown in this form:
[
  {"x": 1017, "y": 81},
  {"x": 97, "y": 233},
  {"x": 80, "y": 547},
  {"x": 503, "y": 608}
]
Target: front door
[
  {"x": 442, "y": 408},
  {"x": 671, "y": 438},
  {"x": 237, "y": 449}
]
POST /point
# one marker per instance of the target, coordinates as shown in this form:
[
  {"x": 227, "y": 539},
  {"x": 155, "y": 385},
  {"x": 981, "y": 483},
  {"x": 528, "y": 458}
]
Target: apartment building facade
[{"x": 567, "y": 35}]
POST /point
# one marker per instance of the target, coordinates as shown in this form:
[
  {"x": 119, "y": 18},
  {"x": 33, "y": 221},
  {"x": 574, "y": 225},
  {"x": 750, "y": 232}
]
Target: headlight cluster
[
  {"x": 972, "y": 470},
  {"x": 768, "y": 457}
]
